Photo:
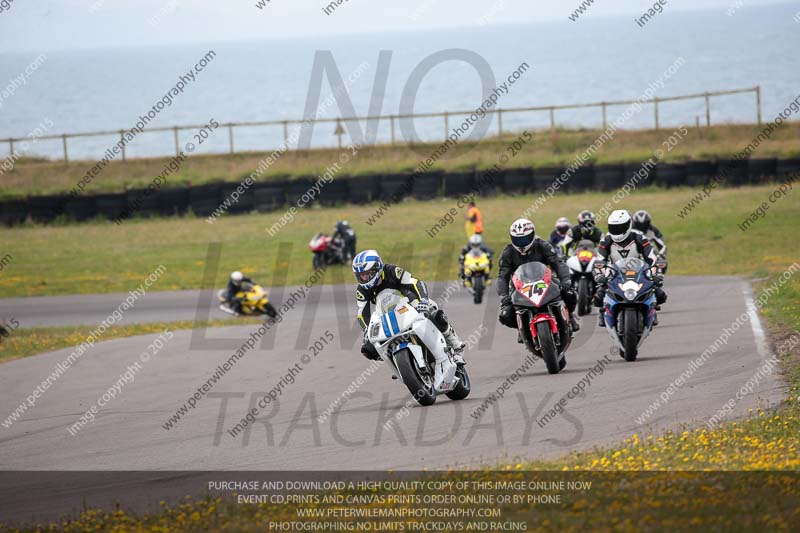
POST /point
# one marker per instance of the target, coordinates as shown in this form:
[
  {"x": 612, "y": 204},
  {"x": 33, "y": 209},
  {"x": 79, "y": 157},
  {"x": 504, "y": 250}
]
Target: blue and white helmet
[{"x": 368, "y": 267}]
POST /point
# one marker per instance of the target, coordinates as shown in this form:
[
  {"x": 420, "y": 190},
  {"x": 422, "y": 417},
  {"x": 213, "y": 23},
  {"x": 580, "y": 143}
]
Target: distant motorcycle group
[{"x": 541, "y": 284}]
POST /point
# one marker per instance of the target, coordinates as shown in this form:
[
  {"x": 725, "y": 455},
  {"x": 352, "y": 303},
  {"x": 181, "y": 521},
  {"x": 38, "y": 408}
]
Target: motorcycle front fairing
[
  {"x": 631, "y": 286},
  {"x": 395, "y": 318},
  {"x": 533, "y": 286},
  {"x": 536, "y": 294}
]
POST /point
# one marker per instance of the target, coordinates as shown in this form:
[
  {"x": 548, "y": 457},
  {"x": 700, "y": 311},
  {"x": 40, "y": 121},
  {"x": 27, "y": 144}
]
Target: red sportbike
[
  {"x": 542, "y": 316},
  {"x": 326, "y": 250}
]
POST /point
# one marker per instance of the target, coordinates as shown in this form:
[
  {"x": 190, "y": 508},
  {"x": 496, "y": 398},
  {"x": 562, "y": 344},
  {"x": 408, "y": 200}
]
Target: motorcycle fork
[
  {"x": 562, "y": 339},
  {"x": 555, "y": 314},
  {"x": 523, "y": 326}
]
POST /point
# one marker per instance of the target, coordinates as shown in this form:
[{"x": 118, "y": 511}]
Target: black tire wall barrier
[{"x": 204, "y": 200}]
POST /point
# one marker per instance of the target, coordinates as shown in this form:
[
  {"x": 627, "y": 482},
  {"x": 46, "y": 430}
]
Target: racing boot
[
  {"x": 597, "y": 300},
  {"x": 576, "y": 326},
  {"x": 455, "y": 344}
]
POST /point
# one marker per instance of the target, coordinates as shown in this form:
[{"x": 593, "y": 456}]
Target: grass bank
[
  {"x": 100, "y": 257},
  {"x": 559, "y": 147}
]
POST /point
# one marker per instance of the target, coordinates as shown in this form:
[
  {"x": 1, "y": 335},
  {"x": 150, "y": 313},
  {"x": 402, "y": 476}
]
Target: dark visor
[
  {"x": 619, "y": 229},
  {"x": 522, "y": 242}
]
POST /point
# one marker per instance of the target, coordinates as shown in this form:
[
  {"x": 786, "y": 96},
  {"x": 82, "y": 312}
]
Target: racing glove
[{"x": 425, "y": 307}]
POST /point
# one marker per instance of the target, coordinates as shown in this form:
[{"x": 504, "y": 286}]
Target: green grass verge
[
  {"x": 24, "y": 342},
  {"x": 101, "y": 257},
  {"x": 559, "y": 147}
]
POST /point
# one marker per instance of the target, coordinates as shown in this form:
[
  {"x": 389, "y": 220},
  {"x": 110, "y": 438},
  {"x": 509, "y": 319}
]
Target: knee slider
[{"x": 440, "y": 320}]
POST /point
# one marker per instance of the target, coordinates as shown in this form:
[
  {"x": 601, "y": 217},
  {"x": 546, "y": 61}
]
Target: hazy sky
[{"x": 59, "y": 24}]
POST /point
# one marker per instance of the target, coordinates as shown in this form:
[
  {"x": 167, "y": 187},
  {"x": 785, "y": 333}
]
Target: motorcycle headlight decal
[{"x": 373, "y": 332}]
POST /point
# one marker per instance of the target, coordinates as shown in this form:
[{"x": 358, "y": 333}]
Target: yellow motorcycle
[
  {"x": 477, "y": 273},
  {"x": 254, "y": 301}
]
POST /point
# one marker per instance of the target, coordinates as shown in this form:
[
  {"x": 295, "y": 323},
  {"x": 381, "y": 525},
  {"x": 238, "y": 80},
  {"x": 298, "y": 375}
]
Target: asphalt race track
[{"x": 128, "y": 433}]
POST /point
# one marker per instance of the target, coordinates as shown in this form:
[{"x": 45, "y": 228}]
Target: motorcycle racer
[
  {"x": 345, "y": 233},
  {"x": 558, "y": 235},
  {"x": 622, "y": 242},
  {"x": 643, "y": 224},
  {"x": 476, "y": 241},
  {"x": 373, "y": 276},
  {"x": 526, "y": 247},
  {"x": 234, "y": 285},
  {"x": 585, "y": 229}
]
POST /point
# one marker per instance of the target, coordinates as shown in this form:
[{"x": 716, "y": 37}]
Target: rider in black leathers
[
  {"x": 343, "y": 231},
  {"x": 526, "y": 248},
  {"x": 585, "y": 229},
  {"x": 383, "y": 276}
]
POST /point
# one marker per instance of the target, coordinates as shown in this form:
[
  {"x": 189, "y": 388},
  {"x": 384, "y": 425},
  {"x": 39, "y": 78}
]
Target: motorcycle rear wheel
[
  {"x": 422, "y": 392},
  {"x": 630, "y": 334},
  {"x": 584, "y": 298},
  {"x": 548, "y": 347}
]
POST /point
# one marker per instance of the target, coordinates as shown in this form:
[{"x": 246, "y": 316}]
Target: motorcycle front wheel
[
  {"x": 548, "y": 347},
  {"x": 478, "y": 288},
  {"x": 464, "y": 386},
  {"x": 421, "y": 389},
  {"x": 630, "y": 334},
  {"x": 317, "y": 262}
]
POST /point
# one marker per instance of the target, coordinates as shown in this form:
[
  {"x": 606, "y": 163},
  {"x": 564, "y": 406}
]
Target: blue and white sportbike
[
  {"x": 415, "y": 350},
  {"x": 629, "y": 308}
]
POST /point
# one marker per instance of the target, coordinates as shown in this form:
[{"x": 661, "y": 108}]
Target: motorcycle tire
[
  {"x": 548, "y": 347},
  {"x": 317, "y": 261},
  {"x": 478, "y": 288},
  {"x": 584, "y": 297},
  {"x": 270, "y": 310},
  {"x": 630, "y": 334},
  {"x": 424, "y": 394},
  {"x": 464, "y": 386}
]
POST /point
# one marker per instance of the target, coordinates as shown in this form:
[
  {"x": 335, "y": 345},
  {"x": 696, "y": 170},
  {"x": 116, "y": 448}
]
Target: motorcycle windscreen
[
  {"x": 630, "y": 268},
  {"x": 388, "y": 299},
  {"x": 476, "y": 259},
  {"x": 533, "y": 286}
]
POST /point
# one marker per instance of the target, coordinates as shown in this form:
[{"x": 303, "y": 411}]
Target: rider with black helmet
[
  {"x": 643, "y": 224},
  {"x": 343, "y": 231},
  {"x": 585, "y": 229}
]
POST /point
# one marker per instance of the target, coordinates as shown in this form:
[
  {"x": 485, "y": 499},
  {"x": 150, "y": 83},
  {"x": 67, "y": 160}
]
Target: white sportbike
[{"x": 415, "y": 350}]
